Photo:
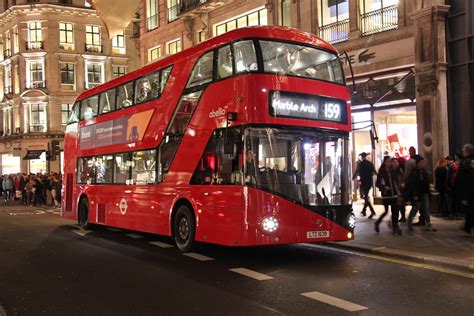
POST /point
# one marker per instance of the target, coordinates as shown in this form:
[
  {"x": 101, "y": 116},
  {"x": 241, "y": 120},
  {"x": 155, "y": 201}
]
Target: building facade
[
  {"x": 397, "y": 49},
  {"x": 51, "y": 51}
]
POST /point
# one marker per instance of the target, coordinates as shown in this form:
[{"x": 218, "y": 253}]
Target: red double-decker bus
[{"x": 240, "y": 141}]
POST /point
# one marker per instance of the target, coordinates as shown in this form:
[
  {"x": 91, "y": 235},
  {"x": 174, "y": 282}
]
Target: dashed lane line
[
  {"x": 113, "y": 229},
  {"x": 252, "y": 274},
  {"x": 161, "y": 244},
  {"x": 334, "y": 301},
  {"x": 82, "y": 232},
  {"x": 197, "y": 256},
  {"x": 135, "y": 236}
]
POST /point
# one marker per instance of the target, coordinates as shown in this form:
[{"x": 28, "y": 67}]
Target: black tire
[
  {"x": 83, "y": 214},
  {"x": 184, "y": 228}
]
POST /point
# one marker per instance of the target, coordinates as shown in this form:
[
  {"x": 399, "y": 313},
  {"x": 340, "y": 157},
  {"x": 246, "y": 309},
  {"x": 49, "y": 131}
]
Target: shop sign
[{"x": 363, "y": 57}]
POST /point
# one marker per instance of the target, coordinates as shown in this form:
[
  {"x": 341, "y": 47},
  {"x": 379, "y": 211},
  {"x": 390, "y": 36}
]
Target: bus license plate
[{"x": 318, "y": 234}]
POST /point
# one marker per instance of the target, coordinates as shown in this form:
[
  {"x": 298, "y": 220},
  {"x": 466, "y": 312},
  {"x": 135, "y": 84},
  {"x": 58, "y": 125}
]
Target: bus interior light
[{"x": 270, "y": 224}]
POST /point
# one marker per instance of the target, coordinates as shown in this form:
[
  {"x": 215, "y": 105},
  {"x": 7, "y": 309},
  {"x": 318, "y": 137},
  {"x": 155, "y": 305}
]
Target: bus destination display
[{"x": 308, "y": 107}]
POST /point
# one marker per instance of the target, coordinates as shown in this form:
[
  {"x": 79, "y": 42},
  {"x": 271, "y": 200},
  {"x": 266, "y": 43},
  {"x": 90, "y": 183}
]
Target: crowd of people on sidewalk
[
  {"x": 34, "y": 189},
  {"x": 402, "y": 182}
]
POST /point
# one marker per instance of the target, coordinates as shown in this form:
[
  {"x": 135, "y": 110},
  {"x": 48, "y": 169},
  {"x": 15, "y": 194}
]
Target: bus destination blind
[{"x": 307, "y": 107}]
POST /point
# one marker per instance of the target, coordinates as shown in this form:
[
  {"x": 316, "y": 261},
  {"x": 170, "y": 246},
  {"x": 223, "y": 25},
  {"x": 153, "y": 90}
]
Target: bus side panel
[{"x": 219, "y": 214}]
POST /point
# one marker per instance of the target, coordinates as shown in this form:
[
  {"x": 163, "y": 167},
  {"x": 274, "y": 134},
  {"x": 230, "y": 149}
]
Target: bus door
[{"x": 217, "y": 188}]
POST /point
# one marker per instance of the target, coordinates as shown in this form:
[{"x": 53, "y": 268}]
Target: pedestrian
[
  {"x": 441, "y": 172},
  {"x": 451, "y": 172},
  {"x": 21, "y": 188},
  {"x": 398, "y": 175},
  {"x": 388, "y": 186},
  {"x": 29, "y": 190},
  {"x": 7, "y": 186},
  {"x": 38, "y": 192},
  {"x": 465, "y": 186},
  {"x": 418, "y": 188},
  {"x": 365, "y": 170}
]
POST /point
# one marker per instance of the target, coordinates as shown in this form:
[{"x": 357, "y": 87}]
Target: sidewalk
[{"x": 449, "y": 246}]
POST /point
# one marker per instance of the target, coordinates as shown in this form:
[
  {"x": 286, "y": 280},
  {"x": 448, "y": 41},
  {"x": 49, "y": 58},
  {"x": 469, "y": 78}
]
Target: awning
[{"x": 33, "y": 154}]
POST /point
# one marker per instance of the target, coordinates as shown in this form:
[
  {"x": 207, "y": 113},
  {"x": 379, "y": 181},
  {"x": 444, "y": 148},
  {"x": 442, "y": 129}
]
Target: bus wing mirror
[
  {"x": 349, "y": 62},
  {"x": 229, "y": 148}
]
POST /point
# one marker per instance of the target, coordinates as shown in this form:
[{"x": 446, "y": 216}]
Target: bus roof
[{"x": 272, "y": 32}]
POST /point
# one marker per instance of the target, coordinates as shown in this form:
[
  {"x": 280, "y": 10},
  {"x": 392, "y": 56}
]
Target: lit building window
[
  {"x": 65, "y": 113},
  {"x": 93, "y": 39},
  {"x": 257, "y": 17},
  {"x": 151, "y": 14},
  {"x": 118, "y": 44},
  {"x": 285, "y": 12},
  {"x": 7, "y": 52},
  {"x": 7, "y": 120},
  {"x": 95, "y": 75},
  {"x": 378, "y": 16},
  {"x": 35, "y": 75},
  {"x": 173, "y": 47},
  {"x": 16, "y": 40},
  {"x": 66, "y": 36},
  {"x": 154, "y": 53},
  {"x": 118, "y": 71},
  {"x": 8, "y": 78},
  {"x": 67, "y": 74},
  {"x": 334, "y": 20},
  {"x": 35, "y": 37},
  {"x": 38, "y": 117},
  {"x": 173, "y": 9},
  {"x": 201, "y": 36}
]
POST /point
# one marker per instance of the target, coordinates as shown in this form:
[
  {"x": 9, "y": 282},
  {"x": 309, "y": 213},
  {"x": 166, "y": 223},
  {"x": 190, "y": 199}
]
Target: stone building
[
  {"x": 397, "y": 49},
  {"x": 50, "y": 51}
]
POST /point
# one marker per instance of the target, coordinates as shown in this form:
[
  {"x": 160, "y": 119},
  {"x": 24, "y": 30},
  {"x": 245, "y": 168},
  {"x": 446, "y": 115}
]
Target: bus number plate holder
[{"x": 318, "y": 234}]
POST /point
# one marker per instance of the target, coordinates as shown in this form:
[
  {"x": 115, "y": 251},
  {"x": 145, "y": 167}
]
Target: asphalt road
[{"x": 50, "y": 267}]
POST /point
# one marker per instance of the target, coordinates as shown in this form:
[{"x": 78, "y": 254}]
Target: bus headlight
[
  {"x": 270, "y": 224},
  {"x": 351, "y": 220}
]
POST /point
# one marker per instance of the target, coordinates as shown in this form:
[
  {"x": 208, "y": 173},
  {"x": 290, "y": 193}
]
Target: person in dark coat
[
  {"x": 389, "y": 187},
  {"x": 365, "y": 170},
  {"x": 399, "y": 178},
  {"x": 418, "y": 189},
  {"x": 441, "y": 174},
  {"x": 465, "y": 186}
]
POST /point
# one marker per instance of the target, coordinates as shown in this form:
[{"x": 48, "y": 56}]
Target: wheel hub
[{"x": 183, "y": 228}]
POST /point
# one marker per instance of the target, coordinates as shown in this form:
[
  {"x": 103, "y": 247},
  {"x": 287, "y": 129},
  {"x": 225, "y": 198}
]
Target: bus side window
[
  {"x": 105, "y": 169},
  {"x": 202, "y": 72},
  {"x": 107, "y": 100},
  {"x": 225, "y": 66},
  {"x": 165, "y": 74},
  {"x": 245, "y": 57},
  {"x": 74, "y": 117},
  {"x": 144, "y": 167},
  {"x": 89, "y": 107},
  {"x": 147, "y": 88},
  {"x": 122, "y": 168},
  {"x": 86, "y": 170},
  {"x": 125, "y": 95}
]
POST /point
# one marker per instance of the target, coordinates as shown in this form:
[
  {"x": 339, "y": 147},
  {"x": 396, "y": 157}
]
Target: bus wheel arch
[
  {"x": 183, "y": 225},
  {"x": 83, "y": 212}
]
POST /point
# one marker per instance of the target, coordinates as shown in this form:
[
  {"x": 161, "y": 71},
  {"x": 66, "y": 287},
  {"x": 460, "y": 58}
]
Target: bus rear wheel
[
  {"x": 184, "y": 228},
  {"x": 83, "y": 214}
]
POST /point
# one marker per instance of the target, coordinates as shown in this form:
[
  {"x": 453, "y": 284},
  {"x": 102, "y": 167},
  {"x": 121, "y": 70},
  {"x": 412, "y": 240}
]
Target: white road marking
[
  {"x": 2, "y": 311},
  {"x": 82, "y": 232},
  {"x": 334, "y": 301},
  {"x": 135, "y": 236},
  {"x": 252, "y": 274},
  {"x": 161, "y": 244},
  {"x": 113, "y": 229},
  {"x": 197, "y": 256}
]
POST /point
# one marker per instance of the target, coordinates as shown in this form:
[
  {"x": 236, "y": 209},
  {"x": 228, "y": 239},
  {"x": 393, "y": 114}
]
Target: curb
[{"x": 459, "y": 265}]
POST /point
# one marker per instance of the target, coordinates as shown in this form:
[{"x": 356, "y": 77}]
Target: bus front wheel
[
  {"x": 83, "y": 214},
  {"x": 184, "y": 228}
]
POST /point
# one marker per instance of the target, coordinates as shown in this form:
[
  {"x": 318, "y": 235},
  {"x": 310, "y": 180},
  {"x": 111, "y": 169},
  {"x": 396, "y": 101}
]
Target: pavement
[
  {"x": 49, "y": 266},
  {"x": 448, "y": 246}
]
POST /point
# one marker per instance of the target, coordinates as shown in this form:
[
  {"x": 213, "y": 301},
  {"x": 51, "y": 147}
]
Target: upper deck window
[
  {"x": 147, "y": 88},
  {"x": 202, "y": 72},
  {"x": 90, "y": 107},
  {"x": 301, "y": 61},
  {"x": 245, "y": 57}
]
